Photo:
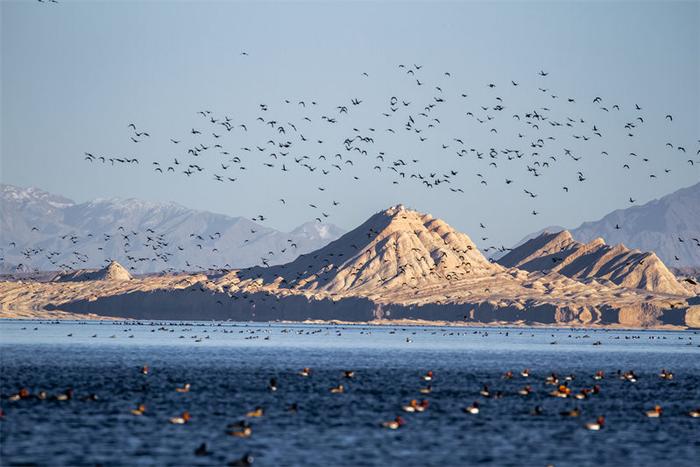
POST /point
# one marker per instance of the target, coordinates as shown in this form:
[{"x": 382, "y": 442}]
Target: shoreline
[{"x": 56, "y": 315}]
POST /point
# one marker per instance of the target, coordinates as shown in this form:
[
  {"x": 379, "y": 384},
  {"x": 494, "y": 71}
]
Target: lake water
[{"x": 229, "y": 367}]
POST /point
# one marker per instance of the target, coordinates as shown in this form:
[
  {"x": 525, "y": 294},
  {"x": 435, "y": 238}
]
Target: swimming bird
[
  {"x": 472, "y": 409},
  {"x": 394, "y": 424},
  {"x": 140, "y": 410},
  {"x": 597, "y": 425},
  {"x": 22, "y": 394},
  {"x": 202, "y": 450},
  {"x": 256, "y": 413},
  {"x": 65, "y": 395},
  {"x": 575, "y": 412},
  {"x": 185, "y": 388},
  {"x": 241, "y": 429},
  {"x": 655, "y": 412},
  {"x": 181, "y": 420},
  {"x": 244, "y": 461}
]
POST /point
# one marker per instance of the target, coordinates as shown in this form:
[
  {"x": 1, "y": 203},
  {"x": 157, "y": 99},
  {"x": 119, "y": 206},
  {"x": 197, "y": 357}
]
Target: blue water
[{"x": 229, "y": 367}]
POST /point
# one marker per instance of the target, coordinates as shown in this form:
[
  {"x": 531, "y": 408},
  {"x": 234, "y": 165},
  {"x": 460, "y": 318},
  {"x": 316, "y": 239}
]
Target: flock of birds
[
  {"x": 295, "y": 139},
  {"x": 136, "y": 247},
  {"x": 459, "y": 140}
]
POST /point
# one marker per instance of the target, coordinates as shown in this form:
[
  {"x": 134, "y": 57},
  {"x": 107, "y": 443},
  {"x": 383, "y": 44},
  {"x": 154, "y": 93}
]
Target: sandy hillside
[{"x": 559, "y": 252}]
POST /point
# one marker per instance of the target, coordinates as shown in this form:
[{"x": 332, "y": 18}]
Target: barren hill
[
  {"x": 559, "y": 252},
  {"x": 394, "y": 248}
]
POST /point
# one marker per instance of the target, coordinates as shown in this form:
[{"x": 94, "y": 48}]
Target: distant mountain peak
[
  {"x": 12, "y": 193},
  {"x": 658, "y": 226},
  {"x": 47, "y": 232}
]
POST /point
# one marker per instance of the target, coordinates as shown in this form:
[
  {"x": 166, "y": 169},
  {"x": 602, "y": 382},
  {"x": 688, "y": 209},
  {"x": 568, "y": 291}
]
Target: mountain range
[
  {"x": 43, "y": 231},
  {"x": 399, "y": 264},
  {"x": 668, "y": 226},
  {"x": 186, "y": 239}
]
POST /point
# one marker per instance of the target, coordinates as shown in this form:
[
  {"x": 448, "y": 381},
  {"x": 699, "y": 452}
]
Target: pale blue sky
[{"x": 75, "y": 74}]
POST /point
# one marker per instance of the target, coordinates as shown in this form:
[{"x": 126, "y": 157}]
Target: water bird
[
  {"x": 22, "y": 394},
  {"x": 244, "y": 461},
  {"x": 65, "y": 395},
  {"x": 575, "y": 412},
  {"x": 655, "y": 412},
  {"x": 597, "y": 425},
  {"x": 241, "y": 429},
  {"x": 472, "y": 409},
  {"x": 185, "y": 388},
  {"x": 182, "y": 419},
  {"x": 394, "y": 424},
  {"x": 257, "y": 412},
  {"x": 201, "y": 450}
]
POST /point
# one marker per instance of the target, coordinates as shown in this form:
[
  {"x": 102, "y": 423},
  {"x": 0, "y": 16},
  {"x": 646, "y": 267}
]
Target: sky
[{"x": 75, "y": 74}]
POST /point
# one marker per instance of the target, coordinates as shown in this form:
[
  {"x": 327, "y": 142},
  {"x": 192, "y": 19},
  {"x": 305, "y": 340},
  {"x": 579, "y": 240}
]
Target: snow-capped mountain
[{"x": 40, "y": 230}]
